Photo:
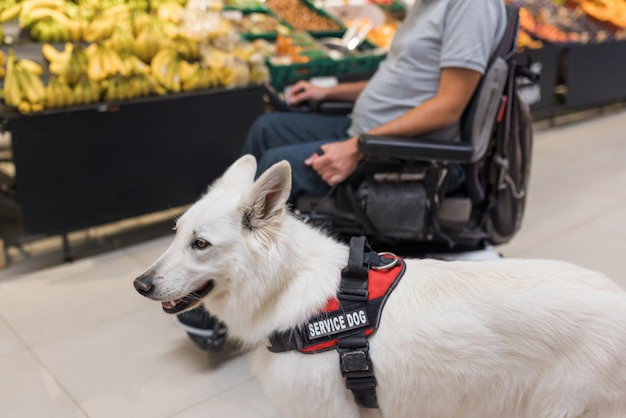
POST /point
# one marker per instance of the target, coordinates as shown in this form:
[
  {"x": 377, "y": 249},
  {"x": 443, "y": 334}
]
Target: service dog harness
[{"x": 351, "y": 317}]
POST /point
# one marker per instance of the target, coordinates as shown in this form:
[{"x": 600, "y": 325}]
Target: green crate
[
  {"x": 264, "y": 35},
  {"x": 335, "y": 33},
  {"x": 284, "y": 75}
]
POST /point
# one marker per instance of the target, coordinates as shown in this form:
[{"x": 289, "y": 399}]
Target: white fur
[{"x": 498, "y": 339}]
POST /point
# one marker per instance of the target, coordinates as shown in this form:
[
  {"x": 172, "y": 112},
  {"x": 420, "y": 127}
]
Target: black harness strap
[{"x": 354, "y": 360}]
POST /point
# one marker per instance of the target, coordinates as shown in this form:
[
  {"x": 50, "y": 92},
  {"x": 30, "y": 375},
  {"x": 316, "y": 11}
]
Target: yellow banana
[
  {"x": 31, "y": 84},
  {"x": 28, "y": 6},
  {"x": 36, "y": 107},
  {"x": 95, "y": 66},
  {"x": 3, "y": 58},
  {"x": 51, "y": 54},
  {"x": 31, "y": 66},
  {"x": 24, "y": 107},
  {"x": 11, "y": 13},
  {"x": 45, "y": 13},
  {"x": 12, "y": 93},
  {"x": 114, "y": 62}
]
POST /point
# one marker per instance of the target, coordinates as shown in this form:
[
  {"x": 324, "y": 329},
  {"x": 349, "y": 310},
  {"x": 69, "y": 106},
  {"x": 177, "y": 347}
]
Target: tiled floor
[{"x": 77, "y": 341}]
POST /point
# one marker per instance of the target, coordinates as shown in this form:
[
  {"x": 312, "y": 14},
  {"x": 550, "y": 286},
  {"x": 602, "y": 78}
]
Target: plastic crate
[
  {"x": 338, "y": 33},
  {"x": 284, "y": 75}
]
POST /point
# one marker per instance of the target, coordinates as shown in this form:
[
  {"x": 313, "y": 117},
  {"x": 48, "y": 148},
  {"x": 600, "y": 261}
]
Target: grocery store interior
[{"x": 89, "y": 193}]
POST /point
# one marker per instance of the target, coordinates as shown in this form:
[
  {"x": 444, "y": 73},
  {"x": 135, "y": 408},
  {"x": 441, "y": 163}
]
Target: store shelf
[{"x": 90, "y": 165}]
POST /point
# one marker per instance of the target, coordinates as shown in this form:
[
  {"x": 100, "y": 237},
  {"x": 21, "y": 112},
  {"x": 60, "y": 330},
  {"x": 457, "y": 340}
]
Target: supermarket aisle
[{"x": 77, "y": 341}]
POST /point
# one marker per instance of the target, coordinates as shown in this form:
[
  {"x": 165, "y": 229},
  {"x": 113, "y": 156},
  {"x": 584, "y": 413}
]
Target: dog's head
[{"x": 236, "y": 216}]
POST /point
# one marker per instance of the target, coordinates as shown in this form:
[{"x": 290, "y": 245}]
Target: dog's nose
[{"x": 143, "y": 284}]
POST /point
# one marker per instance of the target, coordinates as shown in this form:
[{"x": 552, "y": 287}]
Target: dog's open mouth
[{"x": 179, "y": 305}]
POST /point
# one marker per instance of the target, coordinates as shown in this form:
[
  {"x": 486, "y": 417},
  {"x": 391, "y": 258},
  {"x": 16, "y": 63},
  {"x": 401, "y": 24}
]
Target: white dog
[{"x": 497, "y": 339}]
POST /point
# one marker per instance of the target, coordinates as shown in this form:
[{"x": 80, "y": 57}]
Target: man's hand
[
  {"x": 303, "y": 91},
  {"x": 338, "y": 161}
]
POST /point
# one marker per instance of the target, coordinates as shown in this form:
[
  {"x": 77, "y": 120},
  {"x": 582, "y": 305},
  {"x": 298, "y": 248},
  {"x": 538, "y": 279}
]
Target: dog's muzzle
[{"x": 144, "y": 284}]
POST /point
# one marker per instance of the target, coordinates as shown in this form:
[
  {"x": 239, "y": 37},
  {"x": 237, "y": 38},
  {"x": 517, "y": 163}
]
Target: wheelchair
[{"x": 398, "y": 197}]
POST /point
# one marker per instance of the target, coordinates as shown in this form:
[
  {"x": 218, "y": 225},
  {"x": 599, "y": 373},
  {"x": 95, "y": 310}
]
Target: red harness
[{"x": 349, "y": 319}]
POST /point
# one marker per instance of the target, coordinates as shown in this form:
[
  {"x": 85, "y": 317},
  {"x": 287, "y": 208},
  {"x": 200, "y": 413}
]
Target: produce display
[
  {"x": 612, "y": 12},
  {"x": 300, "y": 16},
  {"x": 567, "y": 22},
  {"x": 117, "y": 50},
  {"x": 296, "y": 48},
  {"x": 256, "y": 24}
]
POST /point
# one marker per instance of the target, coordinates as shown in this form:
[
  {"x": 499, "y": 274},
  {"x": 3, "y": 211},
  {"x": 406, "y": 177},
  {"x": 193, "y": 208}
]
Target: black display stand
[{"x": 86, "y": 166}]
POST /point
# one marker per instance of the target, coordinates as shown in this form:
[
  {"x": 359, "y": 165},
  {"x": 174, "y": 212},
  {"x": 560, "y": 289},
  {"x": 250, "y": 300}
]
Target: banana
[
  {"x": 45, "y": 13},
  {"x": 99, "y": 29},
  {"x": 11, "y": 13},
  {"x": 187, "y": 70},
  {"x": 3, "y": 58},
  {"x": 31, "y": 84},
  {"x": 31, "y": 66},
  {"x": 24, "y": 107},
  {"x": 172, "y": 76},
  {"x": 112, "y": 61},
  {"x": 28, "y": 6},
  {"x": 95, "y": 65},
  {"x": 118, "y": 12},
  {"x": 170, "y": 12},
  {"x": 51, "y": 54},
  {"x": 12, "y": 92}
]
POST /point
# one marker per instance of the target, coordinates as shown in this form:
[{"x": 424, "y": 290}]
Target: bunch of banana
[
  {"x": 187, "y": 48},
  {"x": 140, "y": 85},
  {"x": 23, "y": 87},
  {"x": 132, "y": 65},
  {"x": 100, "y": 28},
  {"x": 170, "y": 11},
  {"x": 116, "y": 88},
  {"x": 87, "y": 91},
  {"x": 199, "y": 78},
  {"x": 49, "y": 29},
  {"x": 70, "y": 65},
  {"x": 102, "y": 62},
  {"x": 58, "y": 94},
  {"x": 36, "y": 9},
  {"x": 122, "y": 39},
  {"x": 139, "y": 20},
  {"x": 150, "y": 40},
  {"x": 166, "y": 69},
  {"x": 10, "y": 10}
]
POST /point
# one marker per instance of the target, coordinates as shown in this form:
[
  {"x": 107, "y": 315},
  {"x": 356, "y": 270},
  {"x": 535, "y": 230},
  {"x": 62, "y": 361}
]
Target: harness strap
[{"x": 354, "y": 360}]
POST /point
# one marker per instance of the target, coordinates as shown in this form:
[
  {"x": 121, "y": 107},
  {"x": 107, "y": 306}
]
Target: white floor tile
[
  {"x": 139, "y": 365},
  {"x": 9, "y": 342},
  {"x": 244, "y": 401},
  {"x": 27, "y": 390},
  {"x": 51, "y": 303}
]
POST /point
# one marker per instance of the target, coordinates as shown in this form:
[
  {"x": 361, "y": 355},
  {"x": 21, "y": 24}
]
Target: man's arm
[
  {"x": 455, "y": 91},
  {"x": 343, "y": 92},
  {"x": 453, "y": 95}
]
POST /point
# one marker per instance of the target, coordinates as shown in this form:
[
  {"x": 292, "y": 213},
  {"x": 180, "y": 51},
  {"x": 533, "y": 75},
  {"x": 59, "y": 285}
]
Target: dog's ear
[
  {"x": 240, "y": 175},
  {"x": 268, "y": 195}
]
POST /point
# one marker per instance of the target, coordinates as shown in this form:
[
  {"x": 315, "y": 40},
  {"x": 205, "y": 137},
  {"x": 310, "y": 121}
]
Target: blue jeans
[{"x": 295, "y": 137}]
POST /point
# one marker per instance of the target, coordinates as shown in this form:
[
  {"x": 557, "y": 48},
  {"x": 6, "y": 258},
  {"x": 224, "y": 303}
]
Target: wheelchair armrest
[
  {"x": 421, "y": 148},
  {"x": 334, "y": 108}
]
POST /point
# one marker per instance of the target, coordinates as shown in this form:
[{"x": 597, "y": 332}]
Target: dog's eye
[{"x": 200, "y": 244}]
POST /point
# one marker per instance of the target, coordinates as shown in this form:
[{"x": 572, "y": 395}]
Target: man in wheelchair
[
  {"x": 441, "y": 111},
  {"x": 423, "y": 86}
]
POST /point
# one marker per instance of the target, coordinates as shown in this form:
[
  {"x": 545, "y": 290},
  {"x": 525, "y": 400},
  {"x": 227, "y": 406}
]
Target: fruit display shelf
[{"x": 89, "y": 165}]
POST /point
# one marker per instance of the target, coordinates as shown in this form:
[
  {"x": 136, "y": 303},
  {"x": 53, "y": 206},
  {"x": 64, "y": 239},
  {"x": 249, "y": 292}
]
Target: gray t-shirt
[{"x": 435, "y": 34}]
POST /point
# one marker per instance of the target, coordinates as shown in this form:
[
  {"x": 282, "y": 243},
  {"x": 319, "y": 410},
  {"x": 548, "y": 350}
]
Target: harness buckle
[{"x": 355, "y": 363}]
